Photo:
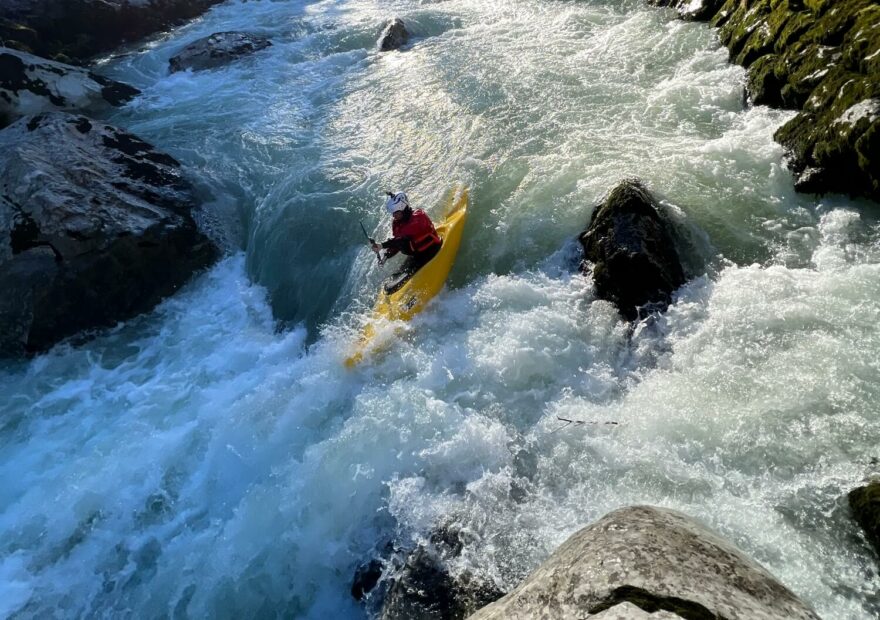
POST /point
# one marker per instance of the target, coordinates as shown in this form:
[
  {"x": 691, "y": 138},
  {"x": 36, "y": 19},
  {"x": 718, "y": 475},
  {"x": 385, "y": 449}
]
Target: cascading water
[{"x": 215, "y": 459}]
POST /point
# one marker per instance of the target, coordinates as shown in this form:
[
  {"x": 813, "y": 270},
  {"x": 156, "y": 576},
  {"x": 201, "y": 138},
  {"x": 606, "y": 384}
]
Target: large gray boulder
[
  {"x": 30, "y": 85},
  {"x": 216, "y": 50},
  {"x": 657, "y": 560},
  {"x": 96, "y": 226},
  {"x": 394, "y": 36},
  {"x": 631, "y": 252}
]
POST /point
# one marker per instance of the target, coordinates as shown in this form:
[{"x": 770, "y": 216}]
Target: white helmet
[{"x": 397, "y": 201}]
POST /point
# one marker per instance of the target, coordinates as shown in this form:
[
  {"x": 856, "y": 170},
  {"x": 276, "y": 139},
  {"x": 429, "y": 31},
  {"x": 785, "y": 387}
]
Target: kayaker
[{"x": 413, "y": 235}]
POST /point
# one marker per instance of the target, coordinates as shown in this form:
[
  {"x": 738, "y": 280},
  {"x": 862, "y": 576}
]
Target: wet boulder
[
  {"x": 641, "y": 562},
  {"x": 30, "y": 85},
  {"x": 418, "y": 583},
  {"x": 394, "y": 36},
  {"x": 96, "y": 226},
  {"x": 629, "y": 249},
  {"x": 217, "y": 50},
  {"x": 865, "y": 505}
]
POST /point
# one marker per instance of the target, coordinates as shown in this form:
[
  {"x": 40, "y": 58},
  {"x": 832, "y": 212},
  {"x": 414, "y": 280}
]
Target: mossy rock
[
  {"x": 823, "y": 57},
  {"x": 865, "y": 504},
  {"x": 861, "y": 47},
  {"x": 743, "y": 25},
  {"x": 767, "y": 77}
]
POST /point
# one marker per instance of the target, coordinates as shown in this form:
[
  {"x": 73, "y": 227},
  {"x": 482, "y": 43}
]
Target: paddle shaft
[{"x": 372, "y": 244}]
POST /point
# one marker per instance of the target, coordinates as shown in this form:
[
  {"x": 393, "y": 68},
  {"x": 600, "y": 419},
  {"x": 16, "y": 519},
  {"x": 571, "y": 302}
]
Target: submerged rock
[
  {"x": 96, "y": 226},
  {"x": 865, "y": 504},
  {"x": 76, "y": 30},
  {"x": 643, "y": 560},
  {"x": 820, "y": 57},
  {"x": 30, "y": 85},
  {"x": 216, "y": 50},
  {"x": 394, "y": 36},
  {"x": 630, "y": 245}
]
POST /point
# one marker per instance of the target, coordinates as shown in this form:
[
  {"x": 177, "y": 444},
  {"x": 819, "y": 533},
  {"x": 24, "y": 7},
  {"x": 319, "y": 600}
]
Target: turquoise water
[{"x": 214, "y": 458}]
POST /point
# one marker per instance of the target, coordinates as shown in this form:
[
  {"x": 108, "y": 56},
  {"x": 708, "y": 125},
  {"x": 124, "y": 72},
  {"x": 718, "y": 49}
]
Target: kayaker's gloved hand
[{"x": 376, "y": 247}]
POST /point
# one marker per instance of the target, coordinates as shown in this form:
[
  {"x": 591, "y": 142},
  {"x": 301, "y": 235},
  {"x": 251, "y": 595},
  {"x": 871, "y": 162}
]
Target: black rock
[
  {"x": 630, "y": 244},
  {"x": 424, "y": 588},
  {"x": 865, "y": 504},
  {"x": 77, "y": 30},
  {"x": 394, "y": 36},
  {"x": 366, "y": 577},
  {"x": 96, "y": 226},
  {"x": 216, "y": 50}
]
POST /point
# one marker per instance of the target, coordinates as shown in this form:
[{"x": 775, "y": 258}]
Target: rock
[
  {"x": 96, "y": 226},
  {"x": 218, "y": 49},
  {"x": 630, "y": 245},
  {"x": 417, "y": 584},
  {"x": 658, "y": 560},
  {"x": 366, "y": 578},
  {"x": 79, "y": 29},
  {"x": 692, "y": 10},
  {"x": 30, "y": 85},
  {"x": 822, "y": 58},
  {"x": 865, "y": 504},
  {"x": 394, "y": 36}
]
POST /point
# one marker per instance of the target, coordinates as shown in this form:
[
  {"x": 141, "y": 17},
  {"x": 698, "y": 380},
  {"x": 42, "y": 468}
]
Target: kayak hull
[{"x": 423, "y": 286}]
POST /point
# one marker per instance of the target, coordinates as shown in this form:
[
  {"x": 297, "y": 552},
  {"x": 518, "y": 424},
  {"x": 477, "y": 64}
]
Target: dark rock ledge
[
  {"x": 74, "y": 31},
  {"x": 96, "y": 226},
  {"x": 821, "y": 57}
]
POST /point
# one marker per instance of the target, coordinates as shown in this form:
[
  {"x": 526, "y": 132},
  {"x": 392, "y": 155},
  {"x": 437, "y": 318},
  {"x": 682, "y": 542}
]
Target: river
[{"x": 215, "y": 459}]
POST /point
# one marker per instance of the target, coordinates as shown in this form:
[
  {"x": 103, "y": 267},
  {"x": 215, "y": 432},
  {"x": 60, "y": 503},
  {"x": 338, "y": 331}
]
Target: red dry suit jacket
[{"x": 412, "y": 235}]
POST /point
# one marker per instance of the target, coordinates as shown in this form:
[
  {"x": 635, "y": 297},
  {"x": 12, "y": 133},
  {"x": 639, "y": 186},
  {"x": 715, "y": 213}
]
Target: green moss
[
  {"x": 764, "y": 37},
  {"x": 822, "y": 56},
  {"x": 725, "y": 12},
  {"x": 767, "y": 77},
  {"x": 861, "y": 46},
  {"x": 797, "y": 24},
  {"x": 868, "y": 154},
  {"x": 743, "y": 24}
]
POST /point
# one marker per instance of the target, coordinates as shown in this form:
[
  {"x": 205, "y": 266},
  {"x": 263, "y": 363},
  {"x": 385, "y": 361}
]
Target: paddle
[{"x": 379, "y": 258}]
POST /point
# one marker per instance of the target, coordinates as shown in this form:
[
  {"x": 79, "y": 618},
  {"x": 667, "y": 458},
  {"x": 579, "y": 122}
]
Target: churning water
[{"x": 215, "y": 459}]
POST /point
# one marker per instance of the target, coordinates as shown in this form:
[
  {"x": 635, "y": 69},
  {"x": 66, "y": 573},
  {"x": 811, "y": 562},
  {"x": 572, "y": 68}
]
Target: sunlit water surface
[{"x": 215, "y": 459}]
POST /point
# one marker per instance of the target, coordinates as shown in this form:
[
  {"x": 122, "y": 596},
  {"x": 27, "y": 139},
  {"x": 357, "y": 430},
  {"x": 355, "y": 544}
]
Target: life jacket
[{"x": 418, "y": 230}]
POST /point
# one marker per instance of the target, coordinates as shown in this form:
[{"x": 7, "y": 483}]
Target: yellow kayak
[{"x": 415, "y": 294}]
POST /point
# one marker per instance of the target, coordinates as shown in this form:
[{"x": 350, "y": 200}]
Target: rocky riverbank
[
  {"x": 96, "y": 226},
  {"x": 821, "y": 57},
  {"x": 76, "y": 30}
]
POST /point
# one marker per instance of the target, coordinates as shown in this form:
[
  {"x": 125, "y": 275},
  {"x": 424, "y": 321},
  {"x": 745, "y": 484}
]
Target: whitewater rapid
[{"x": 215, "y": 459}]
